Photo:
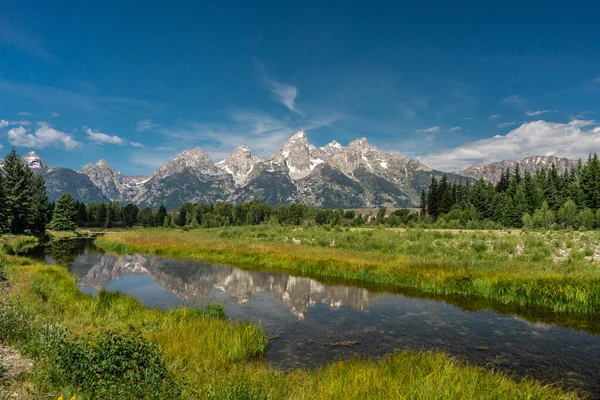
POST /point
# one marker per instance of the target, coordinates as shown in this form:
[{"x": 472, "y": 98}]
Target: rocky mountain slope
[
  {"x": 493, "y": 171},
  {"x": 113, "y": 184},
  {"x": 189, "y": 177}
]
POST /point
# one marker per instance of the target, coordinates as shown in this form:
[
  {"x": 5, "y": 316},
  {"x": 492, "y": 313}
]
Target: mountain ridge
[{"x": 332, "y": 176}]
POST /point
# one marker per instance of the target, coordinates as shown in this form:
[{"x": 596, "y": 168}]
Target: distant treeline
[
  {"x": 545, "y": 199},
  {"x": 199, "y": 215}
]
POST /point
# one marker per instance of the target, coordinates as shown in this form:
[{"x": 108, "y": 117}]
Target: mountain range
[{"x": 333, "y": 176}]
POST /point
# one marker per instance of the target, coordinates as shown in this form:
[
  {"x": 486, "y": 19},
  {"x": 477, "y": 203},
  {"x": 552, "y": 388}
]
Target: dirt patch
[{"x": 13, "y": 363}]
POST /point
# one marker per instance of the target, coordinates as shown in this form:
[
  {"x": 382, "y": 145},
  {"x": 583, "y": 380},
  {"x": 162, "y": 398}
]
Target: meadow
[
  {"x": 557, "y": 270},
  {"x": 111, "y": 346}
]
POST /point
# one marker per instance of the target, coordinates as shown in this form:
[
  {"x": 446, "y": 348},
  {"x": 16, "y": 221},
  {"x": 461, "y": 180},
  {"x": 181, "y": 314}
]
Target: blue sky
[{"x": 135, "y": 83}]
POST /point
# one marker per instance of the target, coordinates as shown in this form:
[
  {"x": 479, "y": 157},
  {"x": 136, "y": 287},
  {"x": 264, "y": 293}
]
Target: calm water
[{"x": 310, "y": 318}]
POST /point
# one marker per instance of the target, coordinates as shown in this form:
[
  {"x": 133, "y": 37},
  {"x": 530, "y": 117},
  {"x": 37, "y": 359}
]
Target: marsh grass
[
  {"x": 508, "y": 267},
  {"x": 205, "y": 355}
]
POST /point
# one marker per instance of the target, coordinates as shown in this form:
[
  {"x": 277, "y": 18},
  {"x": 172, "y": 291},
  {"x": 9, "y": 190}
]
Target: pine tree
[
  {"x": 433, "y": 201},
  {"x": 130, "y": 215},
  {"x": 160, "y": 215},
  {"x": 590, "y": 182},
  {"x": 64, "y": 214},
  {"x": 40, "y": 205},
  {"x": 4, "y": 211},
  {"x": 18, "y": 191},
  {"x": 423, "y": 203}
]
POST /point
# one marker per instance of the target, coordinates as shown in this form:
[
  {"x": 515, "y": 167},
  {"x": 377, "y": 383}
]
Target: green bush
[{"x": 111, "y": 365}]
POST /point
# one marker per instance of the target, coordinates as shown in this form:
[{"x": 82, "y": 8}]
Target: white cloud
[
  {"x": 145, "y": 125},
  {"x": 285, "y": 93},
  {"x": 24, "y": 114},
  {"x": 44, "y": 136},
  {"x": 431, "y": 129},
  {"x": 536, "y": 113},
  {"x": 515, "y": 101},
  {"x": 468, "y": 118},
  {"x": 54, "y": 115},
  {"x": 103, "y": 137},
  {"x": 137, "y": 144},
  {"x": 5, "y": 123},
  {"x": 505, "y": 124},
  {"x": 455, "y": 128},
  {"x": 570, "y": 140},
  {"x": 597, "y": 129},
  {"x": 493, "y": 117}
]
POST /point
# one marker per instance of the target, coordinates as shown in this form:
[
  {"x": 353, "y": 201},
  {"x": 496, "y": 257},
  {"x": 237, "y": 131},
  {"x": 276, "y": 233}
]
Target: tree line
[{"x": 544, "y": 199}]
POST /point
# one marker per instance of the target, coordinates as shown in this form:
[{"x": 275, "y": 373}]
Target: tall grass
[
  {"x": 212, "y": 357},
  {"x": 509, "y": 267}
]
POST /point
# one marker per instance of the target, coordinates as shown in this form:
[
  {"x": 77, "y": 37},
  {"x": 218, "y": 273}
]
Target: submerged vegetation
[
  {"x": 111, "y": 345},
  {"x": 557, "y": 269}
]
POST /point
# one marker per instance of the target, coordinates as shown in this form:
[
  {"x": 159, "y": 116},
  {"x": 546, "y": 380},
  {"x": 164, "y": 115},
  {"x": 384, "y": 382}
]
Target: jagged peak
[
  {"x": 34, "y": 161},
  {"x": 299, "y": 135},
  {"x": 333, "y": 144}
]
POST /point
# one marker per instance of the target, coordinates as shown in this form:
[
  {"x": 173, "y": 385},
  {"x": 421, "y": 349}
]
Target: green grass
[
  {"x": 205, "y": 355},
  {"x": 13, "y": 244},
  {"x": 510, "y": 267}
]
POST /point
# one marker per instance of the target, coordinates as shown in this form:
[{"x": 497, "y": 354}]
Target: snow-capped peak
[
  {"x": 239, "y": 164},
  {"x": 34, "y": 161}
]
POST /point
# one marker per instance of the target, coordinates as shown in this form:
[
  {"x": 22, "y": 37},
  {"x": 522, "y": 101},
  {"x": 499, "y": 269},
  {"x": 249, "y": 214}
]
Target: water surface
[{"x": 315, "y": 323}]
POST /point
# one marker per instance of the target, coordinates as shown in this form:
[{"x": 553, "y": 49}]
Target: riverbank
[
  {"x": 556, "y": 270},
  {"x": 198, "y": 353}
]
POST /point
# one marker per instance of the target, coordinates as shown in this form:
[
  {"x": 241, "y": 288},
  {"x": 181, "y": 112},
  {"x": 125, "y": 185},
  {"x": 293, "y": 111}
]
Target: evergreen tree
[
  {"x": 160, "y": 215},
  {"x": 130, "y": 215},
  {"x": 64, "y": 215},
  {"x": 423, "y": 203},
  {"x": 18, "y": 180},
  {"x": 481, "y": 197},
  {"x": 4, "y": 211},
  {"x": 40, "y": 205},
  {"x": 590, "y": 182}
]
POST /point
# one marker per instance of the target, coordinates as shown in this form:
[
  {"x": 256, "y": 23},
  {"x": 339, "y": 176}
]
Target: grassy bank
[
  {"x": 189, "y": 353},
  {"x": 557, "y": 270}
]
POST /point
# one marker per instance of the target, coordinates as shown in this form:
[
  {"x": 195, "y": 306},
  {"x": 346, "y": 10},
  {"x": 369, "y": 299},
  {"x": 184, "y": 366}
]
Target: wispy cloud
[
  {"x": 515, "y": 101},
  {"x": 468, "y": 118},
  {"x": 574, "y": 139},
  {"x": 145, "y": 125},
  {"x": 505, "y": 124},
  {"x": 17, "y": 36},
  {"x": 100, "y": 137},
  {"x": 137, "y": 144},
  {"x": 536, "y": 113},
  {"x": 44, "y": 136},
  {"x": 431, "y": 129},
  {"x": 92, "y": 101},
  {"x": 24, "y": 114},
  {"x": 285, "y": 93},
  {"x": 455, "y": 128},
  {"x": 493, "y": 117},
  {"x": 263, "y": 133},
  {"x": 54, "y": 115}
]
